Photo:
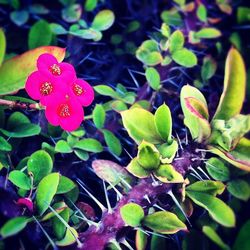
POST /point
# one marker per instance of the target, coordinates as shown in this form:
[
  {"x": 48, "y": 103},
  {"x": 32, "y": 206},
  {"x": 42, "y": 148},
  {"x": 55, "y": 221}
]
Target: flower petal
[
  {"x": 87, "y": 95},
  {"x": 32, "y": 85},
  {"x": 44, "y": 61}
]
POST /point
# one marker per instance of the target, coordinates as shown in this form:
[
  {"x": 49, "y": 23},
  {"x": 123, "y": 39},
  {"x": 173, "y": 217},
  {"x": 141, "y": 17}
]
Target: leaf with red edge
[
  {"x": 13, "y": 72},
  {"x": 195, "y": 110},
  {"x": 239, "y": 157}
]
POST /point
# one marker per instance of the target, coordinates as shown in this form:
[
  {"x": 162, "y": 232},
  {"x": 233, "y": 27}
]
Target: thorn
[
  {"x": 134, "y": 79},
  {"x": 85, "y": 58},
  {"x": 179, "y": 206},
  {"x": 91, "y": 196},
  {"x": 155, "y": 182},
  {"x": 179, "y": 141},
  {"x": 186, "y": 135},
  {"x": 116, "y": 190},
  {"x": 128, "y": 153},
  {"x": 190, "y": 167},
  {"x": 203, "y": 172},
  {"x": 202, "y": 150},
  {"x": 106, "y": 197},
  {"x": 125, "y": 243},
  {"x": 160, "y": 235},
  {"x": 83, "y": 217},
  {"x": 125, "y": 182},
  {"x": 147, "y": 198},
  {"x": 45, "y": 233},
  {"x": 196, "y": 176},
  {"x": 79, "y": 244},
  {"x": 144, "y": 231},
  {"x": 159, "y": 207}
]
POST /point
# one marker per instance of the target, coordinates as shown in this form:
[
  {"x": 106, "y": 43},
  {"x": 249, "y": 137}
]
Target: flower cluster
[{"x": 57, "y": 87}]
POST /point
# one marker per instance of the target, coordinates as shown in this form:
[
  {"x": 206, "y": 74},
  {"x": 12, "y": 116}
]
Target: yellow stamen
[
  {"x": 46, "y": 88},
  {"x": 55, "y": 69}
]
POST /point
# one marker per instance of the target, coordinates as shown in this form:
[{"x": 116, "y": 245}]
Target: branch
[{"x": 20, "y": 105}]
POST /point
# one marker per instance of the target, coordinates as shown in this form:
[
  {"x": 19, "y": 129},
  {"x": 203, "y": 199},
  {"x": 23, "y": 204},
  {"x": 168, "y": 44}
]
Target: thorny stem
[
  {"x": 111, "y": 224},
  {"x": 20, "y": 105}
]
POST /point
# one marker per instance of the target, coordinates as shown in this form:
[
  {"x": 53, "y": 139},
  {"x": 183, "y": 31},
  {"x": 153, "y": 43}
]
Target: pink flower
[
  {"x": 65, "y": 111},
  {"x": 82, "y": 91},
  {"x": 44, "y": 87},
  {"x": 48, "y": 65}
]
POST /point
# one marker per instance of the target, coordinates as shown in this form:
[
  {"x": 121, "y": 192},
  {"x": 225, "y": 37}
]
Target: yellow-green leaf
[
  {"x": 2, "y": 46},
  {"x": 13, "y": 72},
  {"x": 140, "y": 125},
  {"x": 233, "y": 95}
]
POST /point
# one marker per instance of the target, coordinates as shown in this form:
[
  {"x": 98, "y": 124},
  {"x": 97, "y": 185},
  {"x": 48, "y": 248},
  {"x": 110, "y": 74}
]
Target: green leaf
[
  {"x": 63, "y": 147},
  {"x": 164, "y": 222},
  {"x": 165, "y": 30},
  {"x": 40, "y": 34},
  {"x": 217, "y": 169},
  {"x": 72, "y": 13},
  {"x": 14, "y": 72},
  {"x": 217, "y": 209},
  {"x": 90, "y": 145},
  {"x": 2, "y": 46},
  {"x": 239, "y": 157},
  {"x": 118, "y": 106},
  {"x": 83, "y": 155},
  {"x": 99, "y": 116},
  {"x": 194, "y": 107},
  {"x": 212, "y": 235},
  {"x": 207, "y": 33},
  {"x": 202, "y": 12},
  {"x": 4, "y": 145},
  {"x": 242, "y": 241},
  {"x": 45, "y": 191},
  {"x": 166, "y": 173},
  {"x": 112, "y": 142},
  {"x": 233, "y": 95},
  {"x": 87, "y": 34},
  {"x": 90, "y": 5},
  {"x": 243, "y": 14},
  {"x": 132, "y": 214},
  {"x": 149, "y": 46},
  {"x": 20, "y": 179},
  {"x": 58, "y": 207},
  {"x": 176, "y": 41},
  {"x": 39, "y": 164},
  {"x": 65, "y": 185},
  {"x": 227, "y": 134},
  {"x": 57, "y": 29},
  {"x": 148, "y": 156},
  {"x": 140, "y": 240},
  {"x": 185, "y": 58},
  {"x": 149, "y": 58},
  {"x": 19, "y": 17},
  {"x": 153, "y": 78},
  {"x": 239, "y": 189},
  {"x": 69, "y": 238},
  {"x": 110, "y": 172},
  {"x": 58, "y": 227},
  {"x": 19, "y": 126},
  {"x": 105, "y": 90},
  {"x": 103, "y": 20},
  {"x": 168, "y": 151},
  {"x": 136, "y": 169},
  {"x": 140, "y": 125},
  {"x": 163, "y": 122},
  {"x": 172, "y": 17},
  {"x": 157, "y": 243},
  {"x": 207, "y": 187},
  {"x": 208, "y": 68},
  {"x": 14, "y": 226},
  {"x": 133, "y": 26}
]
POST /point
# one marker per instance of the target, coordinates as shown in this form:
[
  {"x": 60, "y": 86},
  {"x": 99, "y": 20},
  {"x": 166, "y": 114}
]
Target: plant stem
[
  {"x": 20, "y": 105},
  {"x": 143, "y": 192}
]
